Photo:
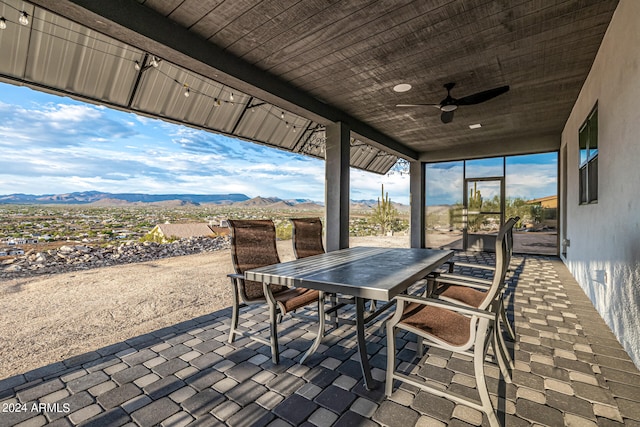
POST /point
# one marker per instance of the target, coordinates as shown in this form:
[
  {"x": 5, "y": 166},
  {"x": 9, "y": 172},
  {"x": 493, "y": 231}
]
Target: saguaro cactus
[
  {"x": 384, "y": 214},
  {"x": 475, "y": 198},
  {"x": 475, "y": 205}
]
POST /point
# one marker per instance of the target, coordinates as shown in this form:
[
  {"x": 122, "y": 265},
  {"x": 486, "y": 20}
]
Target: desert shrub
[{"x": 284, "y": 230}]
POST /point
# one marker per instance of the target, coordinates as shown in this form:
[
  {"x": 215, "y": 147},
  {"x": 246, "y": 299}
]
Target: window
[{"x": 588, "y": 140}]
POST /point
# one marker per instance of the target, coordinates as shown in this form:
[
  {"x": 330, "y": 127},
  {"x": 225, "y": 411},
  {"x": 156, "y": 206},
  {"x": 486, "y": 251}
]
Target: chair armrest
[
  {"x": 460, "y": 280},
  {"x": 236, "y": 275},
  {"x": 471, "y": 311},
  {"x": 470, "y": 265}
]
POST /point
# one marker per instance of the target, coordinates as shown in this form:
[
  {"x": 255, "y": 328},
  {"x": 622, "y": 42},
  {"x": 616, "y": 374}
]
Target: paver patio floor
[{"x": 570, "y": 370}]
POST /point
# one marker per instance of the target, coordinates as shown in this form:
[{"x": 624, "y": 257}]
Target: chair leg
[
  {"x": 501, "y": 356},
  {"x": 234, "y": 311},
  {"x": 483, "y": 391},
  {"x": 505, "y": 322},
  {"x": 501, "y": 351},
  {"x": 391, "y": 358},
  {"x": 273, "y": 317},
  {"x": 372, "y": 305},
  {"x": 419, "y": 347}
]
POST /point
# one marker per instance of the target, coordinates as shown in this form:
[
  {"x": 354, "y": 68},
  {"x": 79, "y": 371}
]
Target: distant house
[
  {"x": 220, "y": 231},
  {"x": 164, "y": 232},
  {"x": 11, "y": 251},
  {"x": 20, "y": 241},
  {"x": 549, "y": 202}
]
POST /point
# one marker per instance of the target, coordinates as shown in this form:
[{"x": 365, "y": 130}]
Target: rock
[{"x": 83, "y": 257}]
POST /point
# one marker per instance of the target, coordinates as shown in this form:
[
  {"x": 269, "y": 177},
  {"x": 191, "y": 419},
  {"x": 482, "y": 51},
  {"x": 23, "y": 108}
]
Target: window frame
[{"x": 588, "y": 168}]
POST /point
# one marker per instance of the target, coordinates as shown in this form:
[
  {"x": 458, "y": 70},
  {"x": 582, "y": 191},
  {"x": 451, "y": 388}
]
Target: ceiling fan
[{"x": 449, "y": 105}]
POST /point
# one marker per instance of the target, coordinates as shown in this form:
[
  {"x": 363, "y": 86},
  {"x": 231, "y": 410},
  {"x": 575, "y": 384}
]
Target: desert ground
[{"x": 45, "y": 319}]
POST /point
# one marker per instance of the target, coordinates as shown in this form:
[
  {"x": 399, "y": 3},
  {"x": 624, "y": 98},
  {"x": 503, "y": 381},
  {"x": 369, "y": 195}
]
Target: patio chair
[
  {"x": 253, "y": 245},
  {"x": 470, "y": 290},
  {"x": 307, "y": 237},
  {"x": 456, "y": 328}
]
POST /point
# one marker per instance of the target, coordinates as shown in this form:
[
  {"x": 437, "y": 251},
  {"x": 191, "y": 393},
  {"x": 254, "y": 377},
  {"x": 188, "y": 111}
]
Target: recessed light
[
  {"x": 402, "y": 87},
  {"x": 476, "y": 126}
]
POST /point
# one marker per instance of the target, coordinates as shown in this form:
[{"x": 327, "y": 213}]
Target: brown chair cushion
[
  {"x": 295, "y": 298},
  {"x": 465, "y": 295},
  {"x": 447, "y": 325},
  {"x": 255, "y": 291}
]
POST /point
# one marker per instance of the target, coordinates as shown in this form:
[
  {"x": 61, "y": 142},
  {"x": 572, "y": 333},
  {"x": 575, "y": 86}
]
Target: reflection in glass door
[
  {"x": 468, "y": 199},
  {"x": 483, "y": 212}
]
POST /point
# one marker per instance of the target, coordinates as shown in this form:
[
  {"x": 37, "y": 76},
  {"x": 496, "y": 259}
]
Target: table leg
[
  {"x": 369, "y": 383},
  {"x": 334, "y": 314},
  {"x": 321, "y": 329}
]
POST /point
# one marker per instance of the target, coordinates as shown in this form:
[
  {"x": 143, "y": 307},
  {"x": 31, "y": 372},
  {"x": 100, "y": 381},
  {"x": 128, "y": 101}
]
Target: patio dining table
[{"x": 362, "y": 272}]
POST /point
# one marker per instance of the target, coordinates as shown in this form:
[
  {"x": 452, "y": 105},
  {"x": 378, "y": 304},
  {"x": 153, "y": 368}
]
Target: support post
[
  {"x": 417, "y": 190},
  {"x": 337, "y": 163}
]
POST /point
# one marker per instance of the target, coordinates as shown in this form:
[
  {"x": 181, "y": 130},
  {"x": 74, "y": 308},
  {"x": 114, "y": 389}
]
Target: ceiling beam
[
  {"x": 142, "y": 27},
  {"x": 510, "y": 147}
]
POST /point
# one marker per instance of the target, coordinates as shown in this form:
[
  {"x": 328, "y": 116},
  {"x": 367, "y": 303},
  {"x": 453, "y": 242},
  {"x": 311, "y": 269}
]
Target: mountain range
[
  {"x": 98, "y": 198},
  {"x": 85, "y": 197}
]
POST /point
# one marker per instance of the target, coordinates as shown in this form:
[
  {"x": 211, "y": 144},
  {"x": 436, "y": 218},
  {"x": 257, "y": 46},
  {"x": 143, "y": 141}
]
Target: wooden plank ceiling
[{"x": 339, "y": 60}]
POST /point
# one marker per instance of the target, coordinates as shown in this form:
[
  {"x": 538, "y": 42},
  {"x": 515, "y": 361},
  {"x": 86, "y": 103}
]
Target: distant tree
[
  {"x": 455, "y": 217},
  {"x": 385, "y": 214},
  {"x": 536, "y": 213},
  {"x": 517, "y": 206}
]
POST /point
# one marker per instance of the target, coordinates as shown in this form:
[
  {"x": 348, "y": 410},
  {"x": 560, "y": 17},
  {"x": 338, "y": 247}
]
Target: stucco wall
[{"x": 604, "y": 251}]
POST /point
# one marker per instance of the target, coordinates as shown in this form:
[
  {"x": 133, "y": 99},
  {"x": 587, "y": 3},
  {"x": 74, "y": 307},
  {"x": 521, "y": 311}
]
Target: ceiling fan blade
[
  {"x": 483, "y": 96},
  {"x": 447, "y": 116},
  {"x": 418, "y": 105}
]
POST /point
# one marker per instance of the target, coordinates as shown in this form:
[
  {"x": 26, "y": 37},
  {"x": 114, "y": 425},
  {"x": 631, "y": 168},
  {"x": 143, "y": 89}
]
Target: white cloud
[
  {"x": 368, "y": 185},
  {"x": 55, "y": 125},
  {"x": 60, "y": 114},
  {"x": 531, "y": 181}
]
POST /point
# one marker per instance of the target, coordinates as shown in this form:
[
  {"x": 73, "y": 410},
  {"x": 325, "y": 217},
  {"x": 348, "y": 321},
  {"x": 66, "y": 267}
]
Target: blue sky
[
  {"x": 528, "y": 177},
  {"x": 52, "y": 144}
]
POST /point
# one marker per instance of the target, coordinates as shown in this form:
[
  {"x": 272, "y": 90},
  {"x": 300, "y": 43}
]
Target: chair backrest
[
  {"x": 510, "y": 235},
  {"x": 503, "y": 258},
  {"x": 253, "y": 245},
  {"x": 307, "y": 237}
]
